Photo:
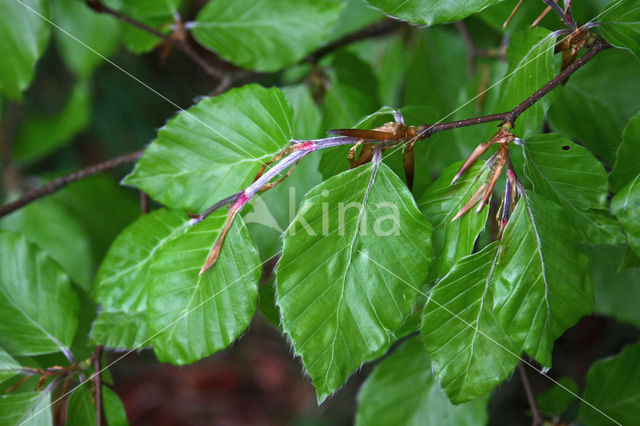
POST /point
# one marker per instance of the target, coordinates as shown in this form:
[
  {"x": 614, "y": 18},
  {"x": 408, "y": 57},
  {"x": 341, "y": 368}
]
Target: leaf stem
[
  {"x": 97, "y": 377},
  {"x": 537, "y": 417},
  {"x": 61, "y": 182},
  {"x": 564, "y": 15}
]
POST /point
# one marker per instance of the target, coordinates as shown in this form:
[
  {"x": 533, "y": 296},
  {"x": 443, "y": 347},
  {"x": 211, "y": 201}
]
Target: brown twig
[
  {"x": 511, "y": 116},
  {"x": 182, "y": 45},
  {"x": 375, "y": 30},
  {"x": 537, "y": 417},
  {"x": 472, "y": 50},
  {"x": 97, "y": 378},
  {"x": 61, "y": 182},
  {"x": 144, "y": 202}
]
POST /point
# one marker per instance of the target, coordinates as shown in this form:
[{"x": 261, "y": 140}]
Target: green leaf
[
  {"x": 630, "y": 259},
  {"x": 345, "y": 278},
  {"x": 402, "y": 390},
  {"x": 98, "y": 31},
  {"x": 39, "y": 136},
  {"x": 572, "y": 177},
  {"x": 431, "y": 11},
  {"x": 191, "y": 315},
  {"x": 39, "y": 306},
  {"x": 120, "y": 281},
  {"x": 627, "y": 166},
  {"x": 355, "y": 15},
  {"x": 80, "y": 347},
  {"x": 26, "y": 409},
  {"x": 23, "y": 37},
  {"x": 306, "y": 115},
  {"x": 469, "y": 348},
  {"x": 265, "y": 35},
  {"x": 101, "y": 217},
  {"x": 440, "y": 203},
  {"x": 49, "y": 225},
  {"x": 82, "y": 408},
  {"x": 626, "y": 206},
  {"x": 541, "y": 280},
  {"x": 556, "y": 400},
  {"x": 593, "y": 108},
  {"x": 620, "y": 25},
  {"x": 616, "y": 292},
  {"x": 8, "y": 366},
  {"x": 215, "y": 148},
  {"x": 121, "y": 330},
  {"x": 613, "y": 386},
  {"x": 530, "y": 55},
  {"x": 156, "y": 14},
  {"x": 436, "y": 53}
]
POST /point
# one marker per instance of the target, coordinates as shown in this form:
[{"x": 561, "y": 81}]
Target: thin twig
[
  {"x": 183, "y": 45},
  {"x": 472, "y": 50},
  {"x": 537, "y": 417},
  {"x": 375, "y": 30},
  {"x": 144, "y": 202},
  {"x": 61, "y": 182},
  {"x": 511, "y": 116},
  {"x": 97, "y": 377}
]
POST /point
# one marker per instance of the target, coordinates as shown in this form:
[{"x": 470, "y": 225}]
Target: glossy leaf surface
[
  {"x": 215, "y": 148},
  {"x": 347, "y": 270},
  {"x": 120, "y": 281},
  {"x": 593, "y": 108},
  {"x": 431, "y": 11},
  {"x": 8, "y": 365},
  {"x": 441, "y": 202},
  {"x": 470, "y": 350},
  {"x": 26, "y": 408},
  {"x": 620, "y": 25},
  {"x": 530, "y": 55},
  {"x": 100, "y": 32},
  {"x": 265, "y": 35},
  {"x": 573, "y": 178},
  {"x": 613, "y": 387},
  {"x": 192, "y": 316},
  {"x": 542, "y": 281},
  {"x": 626, "y": 206},
  {"x": 53, "y": 228},
  {"x": 403, "y": 390},
  {"x": 626, "y": 166},
  {"x": 23, "y": 37},
  {"x": 30, "y": 281}
]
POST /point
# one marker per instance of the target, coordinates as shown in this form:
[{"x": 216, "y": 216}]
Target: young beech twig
[
  {"x": 397, "y": 133},
  {"x": 292, "y": 154}
]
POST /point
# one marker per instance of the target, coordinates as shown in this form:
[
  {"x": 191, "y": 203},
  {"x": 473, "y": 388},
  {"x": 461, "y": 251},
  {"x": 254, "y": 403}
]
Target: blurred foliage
[{"x": 84, "y": 267}]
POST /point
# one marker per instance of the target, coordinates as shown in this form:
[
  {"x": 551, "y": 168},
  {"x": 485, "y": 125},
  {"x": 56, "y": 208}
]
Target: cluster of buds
[
  {"x": 495, "y": 164},
  {"x": 389, "y": 135}
]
